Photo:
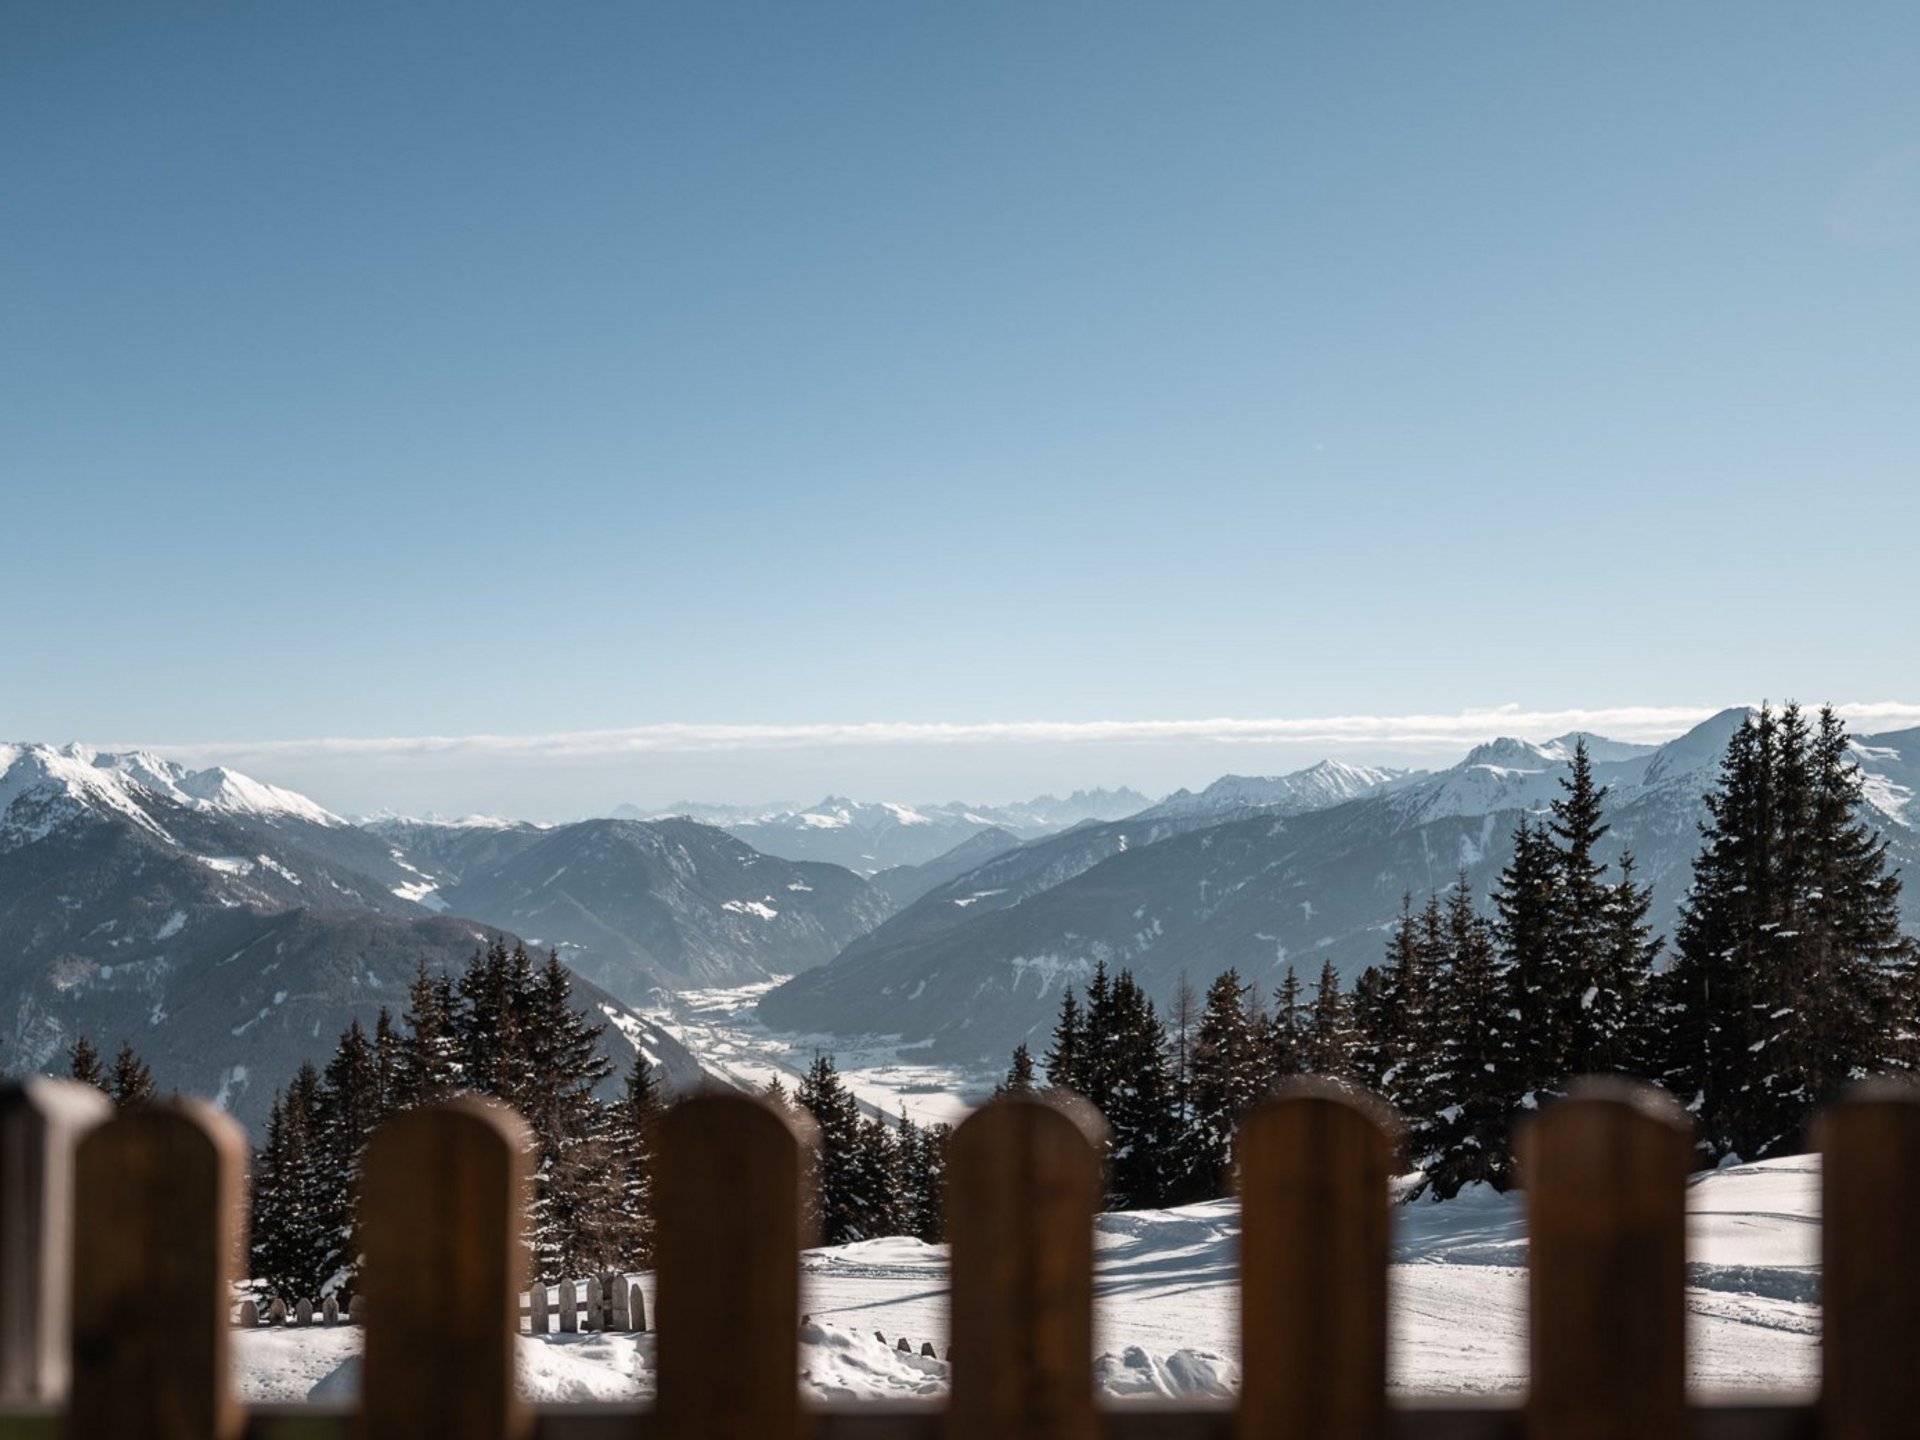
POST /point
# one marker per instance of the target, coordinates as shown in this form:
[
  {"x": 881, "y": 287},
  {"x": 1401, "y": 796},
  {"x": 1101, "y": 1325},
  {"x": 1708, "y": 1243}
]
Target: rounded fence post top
[
  {"x": 1057, "y": 1106},
  {"x": 1636, "y": 1096},
  {"x": 73, "y": 1102},
  {"x": 199, "y": 1118},
  {"x": 469, "y": 1112},
  {"x": 715, "y": 1106},
  {"x": 1902, "y": 1090},
  {"x": 1335, "y": 1094}
]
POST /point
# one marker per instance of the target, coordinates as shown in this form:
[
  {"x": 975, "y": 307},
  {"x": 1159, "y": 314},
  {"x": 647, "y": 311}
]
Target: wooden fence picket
[
  {"x": 1023, "y": 1186},
  {"x": 728, "y": 1202},
  {"x": 1869, "y": 1264},
  {"x": 157, "y": 1227},
  {"x": 1606, "y": 1178},
  {"x": 41, "y": 1122},
  {"x": 441, "y": 1204},
  {"x": 1314, "y": 1233}
]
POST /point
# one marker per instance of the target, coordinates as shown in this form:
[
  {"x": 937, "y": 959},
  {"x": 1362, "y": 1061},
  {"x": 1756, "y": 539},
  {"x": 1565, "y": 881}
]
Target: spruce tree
[
  {"x": 1069, "y": 1044},
  {"x": 429, "y": 1062},
  {"x": 1286, "y": 1032},
  {"x": 348, "y": 1108},
  {"x": 1328, "y": 1044},
  {"x": 83, "y": 1064},
  {"x": 1136, "y": 1085},
  {"x": 576, "y": 1224},
  {"x": 130, "y": 1082},
  {"x": 1229, "y": 1077},
  {"x": 635, "y": 1115},
  {"x": 1461, "y": 1137},
  {"x": 1020, "y": 1079},
  {"x": 837, "y": 1190},
  {"x": 1526, "y": 899}
]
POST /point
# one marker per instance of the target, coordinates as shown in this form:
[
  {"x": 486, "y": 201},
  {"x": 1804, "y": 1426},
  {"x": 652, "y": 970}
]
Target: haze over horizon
[{"x": 566, "y": 776}]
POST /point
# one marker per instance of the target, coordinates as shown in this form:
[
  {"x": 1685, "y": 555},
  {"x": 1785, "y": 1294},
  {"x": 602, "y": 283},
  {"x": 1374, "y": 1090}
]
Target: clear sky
[{"x": 393, "y": 370}]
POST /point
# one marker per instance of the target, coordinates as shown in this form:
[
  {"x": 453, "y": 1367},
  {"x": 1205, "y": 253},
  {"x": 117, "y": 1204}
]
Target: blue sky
[{"x": 454, "y": 369}]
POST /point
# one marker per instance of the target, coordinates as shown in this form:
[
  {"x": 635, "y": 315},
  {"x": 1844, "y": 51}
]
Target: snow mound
[{"x": 1136, "y": 1374}]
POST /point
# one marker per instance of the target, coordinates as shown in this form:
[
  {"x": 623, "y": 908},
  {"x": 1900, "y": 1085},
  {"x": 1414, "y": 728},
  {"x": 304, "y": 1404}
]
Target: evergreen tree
[
  {"x": 1229, "y": 1077},
  {"x": 1526, "y": 898},
  {"x": 389, "y": 1062},
  {"x": 1461, "y": 1138},
  {"x": 130, "y": 1082},
  {"x": 576, "y": 1222},
  {"x": 635, "y": 1116},
  {"x": 837, "y": 1192},
  {"x": 347, "y": 1109},
  {"x": 429, "y": 1060},
  {"x": 1069, "y": 1036},
  {"x": 1020, "y": 1079},
  {"x": 1286, "y": 1032},
  {"x": 1135, "y": 1086},
  {"x": 291, "y": 1245},
  {"x": 83, "y": 1064},
  {"x": 1328, "y": 1043}
]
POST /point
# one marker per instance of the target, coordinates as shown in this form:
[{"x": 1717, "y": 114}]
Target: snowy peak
[
  {"x": 1508, "y": 753},
  {"x": 1331, "y": 782},
  {"x": 44, "y": 786}
]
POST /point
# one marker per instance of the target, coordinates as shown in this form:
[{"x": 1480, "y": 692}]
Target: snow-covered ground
[
  {"x": 1168, "y": 1300},
  {"x": 885, "y": 1076}
]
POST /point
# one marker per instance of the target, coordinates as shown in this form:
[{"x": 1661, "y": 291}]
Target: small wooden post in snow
[
  {"x": 537, "y": 1308},
  {"x": 636, "y": 1309},
  {"x": 331, "y": 1311},
  {"x": 303, "y": 1311},
  {"x": 569, "y": 1307},
  {"x": 596, "y": 1311}
]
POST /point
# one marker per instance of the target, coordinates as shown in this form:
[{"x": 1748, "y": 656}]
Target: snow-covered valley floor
[
  {"x": 1168, "y": 1300},
  {"x": 884, "y": 1075}
]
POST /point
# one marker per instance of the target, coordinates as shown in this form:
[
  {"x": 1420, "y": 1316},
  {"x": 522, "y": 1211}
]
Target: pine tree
[
  {"x": 347, "y": 1110},
  {"x": 389, "y": 1062},
  {"x": 291, "y": 1246},
  {"x": 1069, "y": 1036},
  {"x": 1135, "y": 1082},
  {"x": 429, "y": 1060},
  {"x": 1526, "y": 898},
  {"x": 1576, "y": 967},
  {"x": 1461, "y": 1138},
  {"x": 576, "y": 1224},
  {"x": 1717, "y": 1025},
  {"x": 635, "y": 1116},
  {"x": 1328, "y": 1044},
  {"x": 130, "y": 1082},
  {"x": 837, "y": 1189},
  {"x": 83, "y": 1064},
  {"x": 1286, "y": 1032},
  {"x": 1229, "y": 1077},
  {"x": 1020, "y": 1079}
]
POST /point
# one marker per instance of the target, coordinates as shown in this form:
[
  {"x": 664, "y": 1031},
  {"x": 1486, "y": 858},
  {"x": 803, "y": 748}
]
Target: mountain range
[
  {"x": 230, "y": 928},
  {"x": 977, "y": 964}
]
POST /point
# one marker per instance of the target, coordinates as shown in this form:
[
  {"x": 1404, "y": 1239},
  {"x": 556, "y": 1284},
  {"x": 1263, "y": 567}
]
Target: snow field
[{"x": 1167, "y": 1301}]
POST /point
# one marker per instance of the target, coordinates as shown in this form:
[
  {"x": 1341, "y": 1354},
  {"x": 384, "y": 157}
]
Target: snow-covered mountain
[
  {"x": 1328, "y": 783},
  {"x": 869, "y": 836},
  {"x": 228, "y": 928},
  {"x": 977, "y": 964},
  {"x": 642, "y": 905}
]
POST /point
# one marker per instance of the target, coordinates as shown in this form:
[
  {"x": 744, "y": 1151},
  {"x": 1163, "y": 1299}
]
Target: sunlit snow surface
[
  {"x": 1167, "y": 1300},
  {"x": 719, "y": 1027}
]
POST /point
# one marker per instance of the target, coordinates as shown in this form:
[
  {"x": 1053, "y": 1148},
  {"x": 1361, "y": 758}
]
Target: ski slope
[{"x": 1167, "y": 1301}]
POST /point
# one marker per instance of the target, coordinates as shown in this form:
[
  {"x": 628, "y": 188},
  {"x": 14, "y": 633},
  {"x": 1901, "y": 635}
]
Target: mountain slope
[
  {"x": 974, "y": 971},
  {"x": 637, "y": 904},
  {"x": 868, "y": 837},
  {"x": 227, "y": 929}
]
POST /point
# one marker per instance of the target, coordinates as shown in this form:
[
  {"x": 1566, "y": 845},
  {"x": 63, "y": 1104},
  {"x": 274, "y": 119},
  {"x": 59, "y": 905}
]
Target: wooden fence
[{"x": 117, "y": 1238}]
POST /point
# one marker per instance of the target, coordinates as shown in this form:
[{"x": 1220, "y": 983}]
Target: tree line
[
  {"x": 1789, "y": 977},
  {"x": 503, "y": 1028}
]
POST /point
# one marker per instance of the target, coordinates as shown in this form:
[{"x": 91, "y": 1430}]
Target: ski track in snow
[{"x": 1167, "y": 1302}]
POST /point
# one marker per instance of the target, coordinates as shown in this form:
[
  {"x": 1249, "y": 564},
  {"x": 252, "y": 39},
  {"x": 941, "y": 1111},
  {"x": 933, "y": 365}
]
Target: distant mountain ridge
[
  {"x": 977, "y": 964},
  {"x": 229, "y": 929},
  {"x": 869, "y": 836}
]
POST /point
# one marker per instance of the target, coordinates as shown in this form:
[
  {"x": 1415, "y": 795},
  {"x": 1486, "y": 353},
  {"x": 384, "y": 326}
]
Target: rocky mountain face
[
  {"x": 668, "y": 904},
  {"x": 869, "y": 837},
  {"x": 976, "y": 965},
  {"x": 228, "y": 930}
]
